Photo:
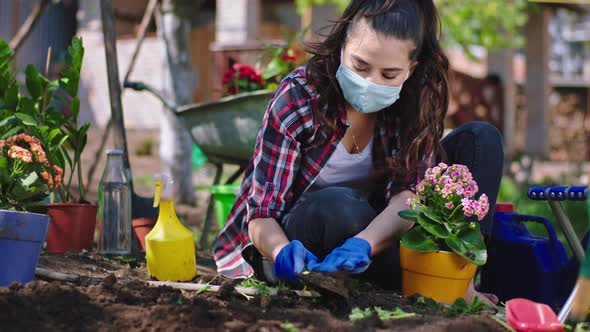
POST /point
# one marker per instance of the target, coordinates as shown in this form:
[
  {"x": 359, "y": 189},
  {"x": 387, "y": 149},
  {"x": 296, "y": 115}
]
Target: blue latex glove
[
  {"x": 353, "y": 256},
  {"x": 292, "y": 260}
]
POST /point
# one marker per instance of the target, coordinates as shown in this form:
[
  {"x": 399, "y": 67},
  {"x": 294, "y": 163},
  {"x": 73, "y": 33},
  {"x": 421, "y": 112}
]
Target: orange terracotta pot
[
  {"x": 141, "y": 227},
  {"x": 71, "y": 227},
  {"x": 443, "y": 276}
]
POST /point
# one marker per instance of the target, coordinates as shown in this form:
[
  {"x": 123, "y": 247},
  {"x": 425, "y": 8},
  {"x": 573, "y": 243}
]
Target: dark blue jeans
[{"x": 322, "y": 220}]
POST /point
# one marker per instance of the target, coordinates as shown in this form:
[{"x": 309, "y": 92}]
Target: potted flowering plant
[
  {"x": 26, "y": 178},
  {"x": 49, "y": 112},
  {"x": 440, "y": 254},
  {"x": 241, "y": 78}
]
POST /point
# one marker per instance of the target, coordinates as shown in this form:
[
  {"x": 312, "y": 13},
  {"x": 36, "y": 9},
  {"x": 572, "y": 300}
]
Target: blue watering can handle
[
  {"x": 558, "y": 193},
  {"x": 562, "y": 256}
]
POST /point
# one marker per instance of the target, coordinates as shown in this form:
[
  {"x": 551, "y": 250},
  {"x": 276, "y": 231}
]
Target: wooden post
[
  {"x": 110, "y": 47},
  {"x": 537, "y": 82},
  {"x": 501, "y": 63}
]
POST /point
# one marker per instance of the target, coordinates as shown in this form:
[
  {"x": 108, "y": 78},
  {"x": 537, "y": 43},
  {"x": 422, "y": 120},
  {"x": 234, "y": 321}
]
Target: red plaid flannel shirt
[{"x": 285, "y": 164}]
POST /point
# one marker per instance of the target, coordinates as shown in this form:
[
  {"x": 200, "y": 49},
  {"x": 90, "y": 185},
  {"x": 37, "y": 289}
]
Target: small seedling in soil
[
  {"x": 460, "y": 307},
  {"x": 426, "y": 302},
  {"x": 289, "y": 327},
  {"x": 262, "y": 287},
  {"x": 397, "y": 313},
  {"x": 204, "y": 289}
]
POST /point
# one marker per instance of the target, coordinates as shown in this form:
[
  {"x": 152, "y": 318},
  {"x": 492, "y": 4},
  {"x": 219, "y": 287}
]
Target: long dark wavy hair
[{"x": 423, "y": 103}]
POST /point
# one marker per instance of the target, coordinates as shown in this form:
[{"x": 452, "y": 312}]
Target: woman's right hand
[{"x": 292, "y": 260}]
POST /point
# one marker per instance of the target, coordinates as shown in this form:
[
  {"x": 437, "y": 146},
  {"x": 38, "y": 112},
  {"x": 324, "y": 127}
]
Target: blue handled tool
[{"x": 554, "y": 196}]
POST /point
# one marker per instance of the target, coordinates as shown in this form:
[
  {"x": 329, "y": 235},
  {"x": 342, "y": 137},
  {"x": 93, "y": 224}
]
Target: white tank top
[{"x": 344, "y": 167}]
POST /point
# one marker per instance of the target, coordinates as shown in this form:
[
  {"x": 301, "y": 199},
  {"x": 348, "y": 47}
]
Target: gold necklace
[{"x": 358, "y": 151}]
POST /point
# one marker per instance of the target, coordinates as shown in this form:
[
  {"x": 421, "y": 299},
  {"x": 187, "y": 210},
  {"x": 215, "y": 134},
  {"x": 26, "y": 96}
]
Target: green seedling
[
  {"x": 460, "y": 307},
  {"x": 289, "y": 327},
  {"x": 397, "y": 313},
  {"x": 204, "y": 289},
  {"x": 426, "y": 302}
]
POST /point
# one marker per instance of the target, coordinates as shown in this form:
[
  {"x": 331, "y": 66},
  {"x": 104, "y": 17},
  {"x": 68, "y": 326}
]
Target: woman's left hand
[{"x": 353, "y": 256}]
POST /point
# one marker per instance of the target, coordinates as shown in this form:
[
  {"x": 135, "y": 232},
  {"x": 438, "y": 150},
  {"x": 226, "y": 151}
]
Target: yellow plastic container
[
  {"x": 170, "y": 247},
  {"x": 442, "y": 276}
]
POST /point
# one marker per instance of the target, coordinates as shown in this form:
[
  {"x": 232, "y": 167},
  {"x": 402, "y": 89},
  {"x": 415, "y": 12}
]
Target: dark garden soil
[{"x": 112, "y": 295}]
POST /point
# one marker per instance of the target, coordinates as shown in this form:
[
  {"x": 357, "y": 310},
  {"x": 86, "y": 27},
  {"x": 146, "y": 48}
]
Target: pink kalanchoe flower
[
  {"x": 39, "y": 153},
  {"x": 409, "y": 202},
  {"x": 467, "y": 207},
  {"x": 17, "y": 152},
  {"x": 449, "y": 205},
  {"x": 484, "y": 207},
  {"x": 421, "y": 187}
]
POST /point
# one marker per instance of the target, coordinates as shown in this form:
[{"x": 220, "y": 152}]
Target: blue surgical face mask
[{"x": 364, "y": 96}]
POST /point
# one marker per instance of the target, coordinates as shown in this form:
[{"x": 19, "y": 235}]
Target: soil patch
[{"x": 122, "y": 300}]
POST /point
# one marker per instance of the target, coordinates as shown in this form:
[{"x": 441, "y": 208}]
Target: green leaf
[
  {"x": 33, "y": 82},
  {"x": 75, "y": 107},
  {"x": 71, "y": 72},
  {"x": 358, "y": 314},
  {"x": 12, "y": 131},
  {"x": 62, "y": 141},
  {"x": 26, "y": 119},
  {"x": 437, "y": 229},
  {"x": 418, "y": 239},
  {"x": 6, "y": 64},
  {"x": 459, "y": 307},
  {"x": 409, "y": 214},
  {"x": 53, "y": 134},
  {"x": 11, "y": 96},
  {"x": 275, "y": 67},
  {"x": 6, "y": 121},
  {"x": 4, "y": 174},
  {"x": 432, "y": 215},
  {"x": 475, "y": 253},
  {"x": 27, "y": 106}
]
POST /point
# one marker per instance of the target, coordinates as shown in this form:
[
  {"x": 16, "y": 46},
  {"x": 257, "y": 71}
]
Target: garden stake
[{"x": 238, "y": 290}]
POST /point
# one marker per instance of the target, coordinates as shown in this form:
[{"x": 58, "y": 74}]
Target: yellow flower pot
[{"x": 443, "y": 276}]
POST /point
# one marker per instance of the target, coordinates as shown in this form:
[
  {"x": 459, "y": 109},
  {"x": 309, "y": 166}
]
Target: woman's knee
[
  {"x": 484, "y": 133},
  {"x": 332, "y": 214}
]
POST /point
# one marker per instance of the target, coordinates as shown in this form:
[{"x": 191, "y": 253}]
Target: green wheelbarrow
[{"x": 224, "y": 129}]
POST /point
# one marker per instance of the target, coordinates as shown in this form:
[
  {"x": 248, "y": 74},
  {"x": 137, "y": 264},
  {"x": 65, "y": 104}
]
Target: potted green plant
[
  {"x": 440, "y": 254},
  {"x": 27, "y": 176},
  {"x": 73, "y": 217},
  {"x": 49, "y": 111}
]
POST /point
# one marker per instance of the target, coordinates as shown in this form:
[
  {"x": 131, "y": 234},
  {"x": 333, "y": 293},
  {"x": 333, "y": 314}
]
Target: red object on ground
[
  {"x": 528, "y": 316},
  {"x": 141, "y": 227},
  {"x": 71, "y": 227},
  {"x": 504, "y": 207}
]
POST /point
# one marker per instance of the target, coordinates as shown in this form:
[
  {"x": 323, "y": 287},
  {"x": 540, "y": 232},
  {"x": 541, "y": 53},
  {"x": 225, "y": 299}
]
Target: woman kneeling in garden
[{"x": 343, "y": 142}]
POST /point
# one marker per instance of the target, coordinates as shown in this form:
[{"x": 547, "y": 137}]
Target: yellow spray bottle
[{"x": 170, "y": 247}]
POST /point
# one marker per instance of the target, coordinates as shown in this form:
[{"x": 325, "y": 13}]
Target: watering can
[
  {"x": 523, "y": 265},
  {"x": 170, "y": 247}
]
